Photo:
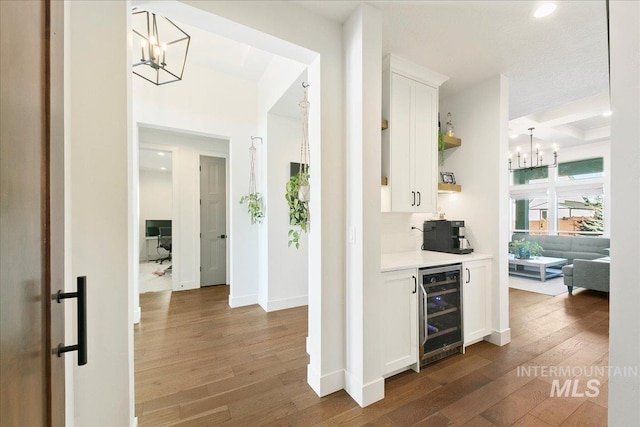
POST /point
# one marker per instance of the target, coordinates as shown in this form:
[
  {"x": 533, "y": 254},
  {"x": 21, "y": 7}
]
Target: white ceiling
[
  {"x": 550, "y": 61},
  {"x": 225, "y": 55}
]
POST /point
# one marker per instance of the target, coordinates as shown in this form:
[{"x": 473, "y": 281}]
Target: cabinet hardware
[
  {"x": 413, "y": 193},
  {"x": 415, "y": 285},
  {"x": 468, "y": 275},
  {"x": 419, "y": 198},
  {"x": 81, "y": 294}
]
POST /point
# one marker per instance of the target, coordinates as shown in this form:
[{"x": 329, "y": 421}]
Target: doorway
[
  {"x": 155, "y": 204},
  {"x": 213, "y": 223}
]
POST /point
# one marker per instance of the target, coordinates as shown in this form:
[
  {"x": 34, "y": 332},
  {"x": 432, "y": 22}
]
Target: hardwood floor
[{"x": 198, "y": 362}]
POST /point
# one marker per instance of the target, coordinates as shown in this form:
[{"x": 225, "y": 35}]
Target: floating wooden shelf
[
  {"x": 451, "y": 142},
  {"x": 384, "y": 180},
  {"x": 449, "y": 188},
  {"x": 385, "y": 124}
]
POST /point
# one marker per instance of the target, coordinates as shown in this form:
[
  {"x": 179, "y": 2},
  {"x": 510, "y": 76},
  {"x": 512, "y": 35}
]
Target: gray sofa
[{"x": 588, "y": 259}]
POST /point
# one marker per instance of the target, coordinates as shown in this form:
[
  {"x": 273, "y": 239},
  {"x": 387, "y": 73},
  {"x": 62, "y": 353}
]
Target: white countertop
[{"x": 418, "y": 259}]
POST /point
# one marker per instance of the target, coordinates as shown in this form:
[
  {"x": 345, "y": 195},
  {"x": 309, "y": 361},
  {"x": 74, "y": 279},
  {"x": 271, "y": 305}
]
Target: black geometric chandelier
[
  {"x": 535, "y": 161},
  {"x": 160, "y": 48}
]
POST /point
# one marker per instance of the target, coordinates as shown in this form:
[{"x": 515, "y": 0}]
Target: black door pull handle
[
  {"x": 223, "y": 236},
  {"x": 415, "y": 285},
  {"x": 419, "y": 199},
  {"x": 81, "y": 347},
  {"x": 414, "y": 198}
]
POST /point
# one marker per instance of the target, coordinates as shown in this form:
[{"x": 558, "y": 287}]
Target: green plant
[
  {"x": 298, "y": 209},
  {"x": 254, "y": 206},
  {"x": 524, "y": 248},
  {"x": 440, "y": 148}
]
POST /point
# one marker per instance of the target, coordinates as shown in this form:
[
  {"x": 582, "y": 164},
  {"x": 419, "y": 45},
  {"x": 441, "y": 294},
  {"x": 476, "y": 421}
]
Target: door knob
[{"x": 223, "y": 236}]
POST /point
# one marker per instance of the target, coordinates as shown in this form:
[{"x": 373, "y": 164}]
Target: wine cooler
[{"x": 440, "y": 312}]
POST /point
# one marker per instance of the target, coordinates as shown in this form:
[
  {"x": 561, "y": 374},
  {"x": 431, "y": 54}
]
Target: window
[
  {"x": 581, "y": 169},
  {"x": 530, "y": 176},
  {"x": 581, "y": 215},
  {"x": 529, "y": 215}
]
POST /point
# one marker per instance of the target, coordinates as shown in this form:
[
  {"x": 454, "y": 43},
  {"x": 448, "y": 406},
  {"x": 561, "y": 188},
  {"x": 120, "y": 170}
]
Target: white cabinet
[
  {"x": 399, "y": 325},
  {"x": 476, "y": 295},
  {"x": 409, "y": 145}
]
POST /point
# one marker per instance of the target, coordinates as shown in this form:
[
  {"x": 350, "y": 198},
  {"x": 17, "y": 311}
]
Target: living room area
[{"x": 559, "y": 201}]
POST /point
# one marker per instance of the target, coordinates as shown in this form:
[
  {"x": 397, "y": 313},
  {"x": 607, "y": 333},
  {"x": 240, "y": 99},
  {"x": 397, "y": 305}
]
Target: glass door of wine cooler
[{"x": 440, "y": 312}]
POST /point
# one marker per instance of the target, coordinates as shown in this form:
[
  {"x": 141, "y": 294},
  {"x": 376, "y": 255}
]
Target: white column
[
  {"x": 362, "y": 35},
  {"x": 624, "y": 329}
]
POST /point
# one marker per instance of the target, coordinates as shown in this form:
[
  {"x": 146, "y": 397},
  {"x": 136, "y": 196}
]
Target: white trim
[
  {"x": 364, "y": 394},
  {"x": 500, "y": 337},
  {"x": 409, "y": 69},
  {"x": 325, "y": 384},
  {"x": 241, "y": 301},
  {"x": 281, "y": 304},
  {"x": 137, "y": 315},
  {"x": 134, "y": 422},
  {"x": 186, "y": 285}
]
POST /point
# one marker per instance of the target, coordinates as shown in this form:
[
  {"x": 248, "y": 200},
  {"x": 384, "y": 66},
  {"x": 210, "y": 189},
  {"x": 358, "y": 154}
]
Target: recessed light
[
  {"x": 545, "y": 10},
  {"x": 607, "y": 114},
  {"x": 160, "y": 153},
  {"x": 163, "y": 169}
]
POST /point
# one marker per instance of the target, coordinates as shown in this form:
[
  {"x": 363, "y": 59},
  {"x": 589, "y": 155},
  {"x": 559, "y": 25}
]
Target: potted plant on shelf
[
  {"x": 440, "y": 148},
  {"x": 298, "y": 209},
  {"x": 524, "y": 249},
  {"x": 254, "y": 206}
]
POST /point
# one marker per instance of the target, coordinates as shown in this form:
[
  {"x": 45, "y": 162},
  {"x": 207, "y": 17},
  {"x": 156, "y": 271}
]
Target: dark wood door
[{"x": 30, "y": 374}]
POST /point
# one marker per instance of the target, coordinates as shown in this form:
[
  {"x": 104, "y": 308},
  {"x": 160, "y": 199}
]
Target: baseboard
[
  {"x": 137, "y": 315},
  {"x": 185, "y": 286},
  {"x": 243, "y": 300},
  {"x": 324, "y": 385},
  {"x": 282, "y": 304},
  {"x": 366, "y": 394},
  {"x": 134, "y": 422},
  {"x": 500, "y": 337}
]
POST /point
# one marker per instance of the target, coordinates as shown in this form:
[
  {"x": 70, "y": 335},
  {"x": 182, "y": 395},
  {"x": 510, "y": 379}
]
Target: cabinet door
[
  {"x": 426, "y": 148},
  {"x": 401, "y": 156},
  {"x": 476, "y": 308},
  {"x": 399, "y": 324}
]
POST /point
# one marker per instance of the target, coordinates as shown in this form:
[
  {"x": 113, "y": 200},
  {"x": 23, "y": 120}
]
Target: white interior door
[{"x": 213, "y": 227}]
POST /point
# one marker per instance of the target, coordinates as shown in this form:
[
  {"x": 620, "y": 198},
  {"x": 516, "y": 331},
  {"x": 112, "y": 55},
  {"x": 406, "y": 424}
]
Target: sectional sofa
[{"x": 588, "y": 259}]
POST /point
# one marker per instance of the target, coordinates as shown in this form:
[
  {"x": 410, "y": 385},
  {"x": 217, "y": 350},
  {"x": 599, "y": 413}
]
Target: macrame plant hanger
[
  {"x": 252, "y": 173},
  {"x": 304, "y": 191}
]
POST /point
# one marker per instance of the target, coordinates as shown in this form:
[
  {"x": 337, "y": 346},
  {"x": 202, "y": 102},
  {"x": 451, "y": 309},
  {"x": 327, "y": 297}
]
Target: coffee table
[{"x": 540, "y": 267}]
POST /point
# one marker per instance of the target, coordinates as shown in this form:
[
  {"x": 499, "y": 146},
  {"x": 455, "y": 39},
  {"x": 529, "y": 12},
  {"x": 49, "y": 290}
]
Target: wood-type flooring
[{"x": 200, "y": 363}]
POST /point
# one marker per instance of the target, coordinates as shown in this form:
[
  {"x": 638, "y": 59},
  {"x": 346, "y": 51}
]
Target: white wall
[
  {"x": 396, "y": 232},
  {"x": 156, "y": 202},
  {"x": 362, "y": 34},
  {"x": 214, "y": 104},
  {"x": 281, "y": 145},
  {"x": 288, "y": 279},
  {"x": 480, "y": 115},
  {"x": 185, "y": 152},
  {"x": 624, "y": 329},
  {"x": 98, "y": 189}
]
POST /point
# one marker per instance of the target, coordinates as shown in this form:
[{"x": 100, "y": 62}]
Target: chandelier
[
  {"x": 163, "y": 48},
  {"x": 534, "y": 161}
]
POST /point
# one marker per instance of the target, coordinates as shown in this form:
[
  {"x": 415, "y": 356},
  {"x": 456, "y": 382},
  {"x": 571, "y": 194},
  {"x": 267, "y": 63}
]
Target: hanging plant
[
  {"x": 254, "y": 206},
  {"x": 298, "y": 192},
  {"x": 298, "y": 210},
  {"x": 253, "y": 199}
]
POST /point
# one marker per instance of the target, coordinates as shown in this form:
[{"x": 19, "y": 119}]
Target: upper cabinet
[{"x": 409, "y": 144}]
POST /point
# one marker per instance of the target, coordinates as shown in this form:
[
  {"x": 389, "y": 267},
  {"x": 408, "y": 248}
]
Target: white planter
[{"x": 304, "y": 193}]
